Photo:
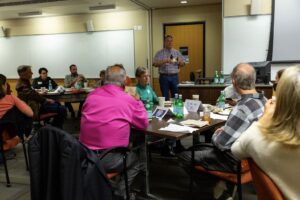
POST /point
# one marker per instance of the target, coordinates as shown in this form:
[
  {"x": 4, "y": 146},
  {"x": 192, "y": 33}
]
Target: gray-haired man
[
  {"x": 107, "y": 124},
  {"x": 247, "y": 110}
]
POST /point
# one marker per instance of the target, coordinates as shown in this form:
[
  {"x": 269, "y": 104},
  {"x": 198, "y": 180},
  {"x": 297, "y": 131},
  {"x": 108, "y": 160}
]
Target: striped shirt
[
  {"x": 168, "y": 68},
  {"x": 248, "y": 110}
]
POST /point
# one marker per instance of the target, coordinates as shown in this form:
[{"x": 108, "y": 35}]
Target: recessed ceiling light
[
  {"x": 183, "y": 2},
  {"x": 26, "y": 14},
  {"x": 105, "y": 7}
]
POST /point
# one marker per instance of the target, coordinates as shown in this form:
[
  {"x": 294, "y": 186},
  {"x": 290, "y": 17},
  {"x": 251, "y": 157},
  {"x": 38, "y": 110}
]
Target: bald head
[
  {"x": 244, "y": 76},
  {"x": 116, "y": 75}
]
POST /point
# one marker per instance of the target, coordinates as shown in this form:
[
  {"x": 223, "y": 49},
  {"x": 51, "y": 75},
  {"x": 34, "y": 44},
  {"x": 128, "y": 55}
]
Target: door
[{"x": 189, "y": 37}]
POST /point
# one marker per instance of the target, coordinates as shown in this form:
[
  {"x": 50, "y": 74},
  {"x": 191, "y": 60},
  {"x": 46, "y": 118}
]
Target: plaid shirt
[
  {"x": 248, "y": 109},
  {"x": 168, "y": 68},
  {"x": 70, "y": 77}
]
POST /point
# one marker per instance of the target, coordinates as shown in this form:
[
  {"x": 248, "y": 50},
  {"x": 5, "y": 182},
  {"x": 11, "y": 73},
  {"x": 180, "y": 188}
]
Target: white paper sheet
[
  {"x": 216, "y": 116},
  {"x": 178, "y": 128},
  {"x": 192, "y": 122}
]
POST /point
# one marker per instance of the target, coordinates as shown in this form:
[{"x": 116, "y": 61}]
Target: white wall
[
  {"x": 76, "y": 23},
  {"x": 211, "y": 14}
]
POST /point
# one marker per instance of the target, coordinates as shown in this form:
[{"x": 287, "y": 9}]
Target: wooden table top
[{"x": 156, "y": 124}]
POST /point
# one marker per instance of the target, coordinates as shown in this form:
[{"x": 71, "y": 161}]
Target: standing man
[
  {"x": 43, "y": 80},
  {"x": 168, "y": 60},
  {"x": 74, "y": 80}
]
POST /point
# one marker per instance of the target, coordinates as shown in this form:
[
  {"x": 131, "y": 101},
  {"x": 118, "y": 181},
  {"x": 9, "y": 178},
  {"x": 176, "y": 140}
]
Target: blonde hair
[{"x": 284, "y": 126}]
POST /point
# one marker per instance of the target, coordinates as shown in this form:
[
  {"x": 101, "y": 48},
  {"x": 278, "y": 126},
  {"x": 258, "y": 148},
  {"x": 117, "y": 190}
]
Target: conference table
[
  {"x": 209, "y": 93},
  {"x": 69, "y": 97},
  {"x": 153, "y": 130}
]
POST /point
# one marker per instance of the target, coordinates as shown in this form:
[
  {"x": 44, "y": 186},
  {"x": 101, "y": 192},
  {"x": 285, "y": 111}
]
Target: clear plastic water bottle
[
  {"x": 221, "y": 80},
  {"x": 50, "y": 88},
  {"x": 77, "y": 85},
  {"x": 216, "y": 77},
  {"x": 180, "y": 105},
  {"x": 221, "y": 100}
]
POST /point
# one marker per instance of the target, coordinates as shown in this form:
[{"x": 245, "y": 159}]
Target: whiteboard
[
  {"x": 286, "y": 44},
  {"x": 245, "y": 39},
  {"x": 91, "y": 52}
]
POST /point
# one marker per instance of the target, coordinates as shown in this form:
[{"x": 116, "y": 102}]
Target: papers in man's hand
[
  {"x": 192, "y": 122},
  {"x": 58, "y": 90},
  {"x": 178, "y": 128}
]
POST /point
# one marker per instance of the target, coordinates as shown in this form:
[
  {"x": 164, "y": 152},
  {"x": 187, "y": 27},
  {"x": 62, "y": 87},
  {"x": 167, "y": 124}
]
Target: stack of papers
[
  {"x": 192, "y": 122},
  {"x": 217, "y": 116},
  {"x": 178, "y": 128}
]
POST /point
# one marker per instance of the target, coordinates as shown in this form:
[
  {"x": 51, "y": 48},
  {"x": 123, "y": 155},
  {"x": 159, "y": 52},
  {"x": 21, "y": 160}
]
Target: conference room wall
[
  {"x": 242, "y": 7},
  {"x": 211, "y": 14},
  {"x": 77, "y": 23}
]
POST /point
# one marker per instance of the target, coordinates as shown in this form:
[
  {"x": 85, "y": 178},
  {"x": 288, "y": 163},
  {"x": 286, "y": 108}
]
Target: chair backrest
[
  {"x": 264, "y": 186},
  {"x": 61, "y": 168}
]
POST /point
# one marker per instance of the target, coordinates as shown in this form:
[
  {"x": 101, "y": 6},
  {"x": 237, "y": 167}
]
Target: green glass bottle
[
  {"x": 179, "y": 107},
  {"x": 175, "y": 102},
  {"x": 221, "y": 100}
]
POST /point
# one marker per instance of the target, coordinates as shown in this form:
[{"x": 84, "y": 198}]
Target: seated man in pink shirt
[{"x": 107, "y": 115}]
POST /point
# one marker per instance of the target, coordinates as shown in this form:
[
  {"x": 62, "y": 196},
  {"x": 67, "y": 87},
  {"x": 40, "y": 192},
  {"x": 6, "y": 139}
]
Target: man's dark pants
[{"x": 168, "y": 83}]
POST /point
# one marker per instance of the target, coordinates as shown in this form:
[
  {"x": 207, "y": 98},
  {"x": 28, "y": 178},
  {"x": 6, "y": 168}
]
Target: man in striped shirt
[{"x": 168, "y": 60}]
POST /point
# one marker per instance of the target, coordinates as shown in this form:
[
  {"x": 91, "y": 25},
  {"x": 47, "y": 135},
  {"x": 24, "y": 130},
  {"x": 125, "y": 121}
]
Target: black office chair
[
  {"x": 110, "y": 175},
  {"x": 5, "y": 125}
]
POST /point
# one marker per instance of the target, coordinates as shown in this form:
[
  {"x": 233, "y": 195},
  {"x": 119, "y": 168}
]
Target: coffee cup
[
  {"x": 195, "y": 97},
  {"x": 161, "y": 101},
  {"x": 85, "y": 84}
]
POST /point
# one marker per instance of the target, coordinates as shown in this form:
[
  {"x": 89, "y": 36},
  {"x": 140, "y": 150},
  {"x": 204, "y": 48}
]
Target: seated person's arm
[
  {"x": 155, "y": 98},
  {"x": 139, "y": 115},
  {"x": 239, "y": 147},
  {"x": 83, "y": 78},
  {"x": 68, "y": 83},
  {"x": 35, "y": 84},
  {"x": 23, "y": 107},
  {"x": 54, "y": 84},
  {"x": 31, "y": 94},
  {"x": 233, "y": 128}
]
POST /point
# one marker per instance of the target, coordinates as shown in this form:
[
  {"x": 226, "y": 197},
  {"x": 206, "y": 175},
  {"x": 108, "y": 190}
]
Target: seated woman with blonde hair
[{"x": 274, "y": 141}]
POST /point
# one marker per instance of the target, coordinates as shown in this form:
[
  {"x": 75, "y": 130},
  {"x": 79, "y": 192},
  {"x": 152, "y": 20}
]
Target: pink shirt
[
  {"x": 9, "y": 101},
  {"x": 107, "y": 115}
]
